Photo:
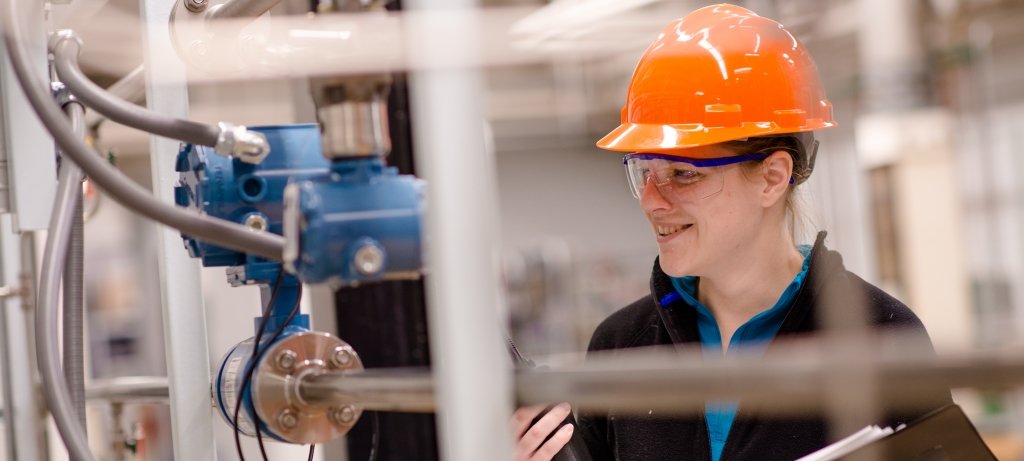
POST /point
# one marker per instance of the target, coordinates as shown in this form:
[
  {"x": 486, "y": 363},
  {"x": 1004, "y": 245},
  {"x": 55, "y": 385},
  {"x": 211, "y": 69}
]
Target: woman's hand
[{"x": 530, "y": 440}]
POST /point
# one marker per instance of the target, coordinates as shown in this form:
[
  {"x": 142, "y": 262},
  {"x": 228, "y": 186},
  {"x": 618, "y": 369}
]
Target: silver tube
[
  {"x": 793, "y": 384},
  {"x": 410, "y": 390},
  {"x": 474, "y": 383},
  {"x": 129, "y": 388},
  {"x": 793, "y": 379},
  {"x": 131, "y": 88},
  {"x": 65, "y": 51},
  {"x": 74, "y": 310},
  {"x": 241, "y": 9},
  {"x": 23, "y": 428},
  {"x": 5, "y": 181},
  {"x": 125, "y": 191},
  {"x": 57, "y": 394}
]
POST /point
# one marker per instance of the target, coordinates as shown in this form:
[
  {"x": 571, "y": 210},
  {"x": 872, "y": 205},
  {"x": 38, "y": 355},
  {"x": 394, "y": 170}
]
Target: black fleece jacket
[{"x": 752, "y": 437}]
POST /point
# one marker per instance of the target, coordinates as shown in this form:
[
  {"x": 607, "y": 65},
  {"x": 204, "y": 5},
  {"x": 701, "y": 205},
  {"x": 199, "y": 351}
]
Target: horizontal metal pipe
[
  {"x": 130, "y": 388},
  {"x": 790, "y": 380},
  {"x": 241, "y": 9},
  {"x": 409, "y": 390}
]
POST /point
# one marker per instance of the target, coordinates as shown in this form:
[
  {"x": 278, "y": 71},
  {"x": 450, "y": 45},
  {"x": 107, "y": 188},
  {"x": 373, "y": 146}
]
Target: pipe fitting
[
  {"x": 196, "y": 6},
  {"x": 239, "y": 142},
  {"x": 61, "y": 35},
  {"x": 62, "y": 95}
]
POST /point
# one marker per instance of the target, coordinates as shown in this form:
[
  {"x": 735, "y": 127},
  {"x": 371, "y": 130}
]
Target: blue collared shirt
[{"x": 751, "y": 338}]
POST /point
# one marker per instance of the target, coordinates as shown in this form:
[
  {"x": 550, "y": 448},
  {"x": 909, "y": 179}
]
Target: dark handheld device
[{"x": 576, "y": 449}]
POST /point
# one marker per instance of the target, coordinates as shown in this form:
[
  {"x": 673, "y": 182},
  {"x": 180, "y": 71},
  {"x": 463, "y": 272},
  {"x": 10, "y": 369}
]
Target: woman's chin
[{"x": 674, "y": 268}]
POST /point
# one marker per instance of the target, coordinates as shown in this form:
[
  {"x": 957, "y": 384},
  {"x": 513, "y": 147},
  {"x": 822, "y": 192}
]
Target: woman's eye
[{"x": 685, "y": 176}]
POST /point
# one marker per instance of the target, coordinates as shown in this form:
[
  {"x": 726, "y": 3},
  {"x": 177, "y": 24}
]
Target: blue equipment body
[
  {"x": 362, "y": 204},
  {"x": 335, "y": 212},
  {"x": 236, "y": 191}
]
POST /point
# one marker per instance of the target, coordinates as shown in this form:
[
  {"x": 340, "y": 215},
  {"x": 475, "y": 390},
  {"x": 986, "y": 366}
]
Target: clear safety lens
[{"x": 676, "y": 181}]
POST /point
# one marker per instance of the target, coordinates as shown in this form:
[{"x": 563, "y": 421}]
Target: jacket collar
[{"x": 680, "y": 322}]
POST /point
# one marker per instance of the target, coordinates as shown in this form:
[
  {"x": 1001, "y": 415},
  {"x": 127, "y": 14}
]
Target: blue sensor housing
[
  {"x": 362, "y": 208},
  {"x": 241, "y": 192}
]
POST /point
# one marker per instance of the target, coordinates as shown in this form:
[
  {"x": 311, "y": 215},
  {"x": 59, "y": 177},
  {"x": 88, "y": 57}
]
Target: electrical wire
[
  {"x": 375, "y": 438},
  {"x": 217, "y": 231},
  {"x": 311, "y": 447},
  {"x": 277, "y": 334},
  {"x": 65, "y": 59},
  {"x": 274, "y": 291},
  {"x": 256, "y": 356}
]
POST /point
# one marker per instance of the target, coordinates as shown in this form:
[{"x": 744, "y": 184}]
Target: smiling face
[{"x": 702, "y": 235}]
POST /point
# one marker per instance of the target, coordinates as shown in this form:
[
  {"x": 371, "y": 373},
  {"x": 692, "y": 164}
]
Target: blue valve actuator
[
  {"x": 360, "y": 223},
  {"x": 247, "y": 194}
]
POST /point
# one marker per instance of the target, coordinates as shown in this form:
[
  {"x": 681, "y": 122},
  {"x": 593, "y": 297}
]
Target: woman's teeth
[{"x": 669, "y": 230}]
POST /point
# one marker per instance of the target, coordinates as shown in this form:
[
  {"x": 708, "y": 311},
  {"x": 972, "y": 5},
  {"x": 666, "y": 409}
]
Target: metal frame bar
[
  {"x": 474, "y": 383},
  {"x": 798, "y": 379},
  {"x": 27, "y": 142},
  {"x": 24, "y": 431},
  {"x": 185, "y": 337}
]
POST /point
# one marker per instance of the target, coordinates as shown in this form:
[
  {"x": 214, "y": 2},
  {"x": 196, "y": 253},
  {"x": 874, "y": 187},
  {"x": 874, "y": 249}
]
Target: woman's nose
[{"x": 651, "y": 198}]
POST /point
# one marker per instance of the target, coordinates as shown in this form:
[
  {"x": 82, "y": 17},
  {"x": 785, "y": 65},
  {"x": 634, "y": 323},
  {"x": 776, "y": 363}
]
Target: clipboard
[{"x": 942, "y": 435}]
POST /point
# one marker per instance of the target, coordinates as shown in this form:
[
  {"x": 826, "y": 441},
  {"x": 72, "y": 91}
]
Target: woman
[{"x": 717, "y": 129}]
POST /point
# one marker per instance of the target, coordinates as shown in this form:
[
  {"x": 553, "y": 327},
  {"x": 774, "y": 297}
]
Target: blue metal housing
[
  {"x": 233, "y": 190},
  {"x": 361, "y": 204}
]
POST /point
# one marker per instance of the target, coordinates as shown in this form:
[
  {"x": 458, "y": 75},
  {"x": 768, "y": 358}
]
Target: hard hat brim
[{"x": 657, "y": 138}]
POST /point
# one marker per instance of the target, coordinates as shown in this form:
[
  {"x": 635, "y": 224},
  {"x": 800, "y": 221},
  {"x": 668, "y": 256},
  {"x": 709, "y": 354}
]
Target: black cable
[
  {"x": 277, "y": 334},
  {"x": 252, "y": 361},
  {"x": 375, "y": 439},
  {"x": 311, "y": 447}
]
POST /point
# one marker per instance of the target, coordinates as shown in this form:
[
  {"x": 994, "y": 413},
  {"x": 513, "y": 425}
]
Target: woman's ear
[{"x": 777, "y": 170}]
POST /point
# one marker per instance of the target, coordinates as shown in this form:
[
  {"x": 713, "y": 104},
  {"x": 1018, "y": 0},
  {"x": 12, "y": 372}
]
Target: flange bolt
[{"x": 286, "y": 360}]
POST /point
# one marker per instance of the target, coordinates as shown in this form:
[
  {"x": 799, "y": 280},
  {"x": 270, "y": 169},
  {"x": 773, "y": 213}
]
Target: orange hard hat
[{"x": 721, "y": 73}]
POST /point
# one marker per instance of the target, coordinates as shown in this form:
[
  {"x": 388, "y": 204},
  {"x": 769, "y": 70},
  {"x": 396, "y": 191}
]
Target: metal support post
[
  {"x": 471, "y": 368},
  {"x": 21, "y": 413},
  {"x": 188, "y": 366}
]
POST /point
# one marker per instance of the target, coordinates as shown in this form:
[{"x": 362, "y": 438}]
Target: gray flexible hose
[
  {"x": 57, "y": 395},
  {"x": 128, "y": 193},
  {"x": 65, "y": 59},
  {"x": 74, "y": 309}
]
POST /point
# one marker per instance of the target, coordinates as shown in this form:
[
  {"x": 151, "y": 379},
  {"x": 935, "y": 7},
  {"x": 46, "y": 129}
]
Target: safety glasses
[{"x": 681, "y": 179}]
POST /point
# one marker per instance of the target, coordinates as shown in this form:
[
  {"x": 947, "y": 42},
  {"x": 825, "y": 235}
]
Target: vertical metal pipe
[
  {"x": 185, "y": 339},
  {"x": 5, "y": 182},
  {"x": 74, "y": 309},
  {"x": 23, "y": 428},
  {"x": 471, "y": 369}
]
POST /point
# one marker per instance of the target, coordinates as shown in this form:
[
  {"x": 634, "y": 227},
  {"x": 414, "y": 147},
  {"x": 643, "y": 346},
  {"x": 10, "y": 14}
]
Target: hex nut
[
  {"x": 343, "y": 416},
  {"x": 287, "y": 419},
  {"x": 369, "y": 259},
  {"x": 341, "y": 358},
  {"x": 285, "y": 361},
  {"x": 256, "y": 222}
]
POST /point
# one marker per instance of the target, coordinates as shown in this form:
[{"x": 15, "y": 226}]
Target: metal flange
[{"x": 275, "y": 388}]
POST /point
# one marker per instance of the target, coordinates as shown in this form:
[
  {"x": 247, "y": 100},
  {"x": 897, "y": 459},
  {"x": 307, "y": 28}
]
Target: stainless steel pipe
[
  {"x": 634, "y": 381},
  {"x": 129, "y": 389},
  {"x": 409, "y": 390}
]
